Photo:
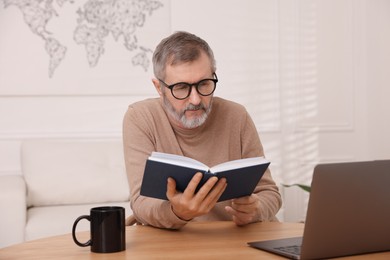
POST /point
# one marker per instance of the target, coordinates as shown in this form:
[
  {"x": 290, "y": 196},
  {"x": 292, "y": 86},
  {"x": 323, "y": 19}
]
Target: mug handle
[{"x": 88, "y": 243}]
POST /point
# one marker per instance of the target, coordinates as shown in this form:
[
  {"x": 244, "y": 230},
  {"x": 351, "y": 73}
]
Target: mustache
[{"x": 194, "y": 107}]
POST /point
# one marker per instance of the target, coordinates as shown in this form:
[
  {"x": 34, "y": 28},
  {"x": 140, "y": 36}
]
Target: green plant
[{"x": 302, "y": 186}]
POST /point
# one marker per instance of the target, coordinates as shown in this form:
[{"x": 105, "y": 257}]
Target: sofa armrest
[{"x": 13, "y": 209}]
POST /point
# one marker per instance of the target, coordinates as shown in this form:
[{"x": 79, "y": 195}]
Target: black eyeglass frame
[{"x": 190, "y": 86}]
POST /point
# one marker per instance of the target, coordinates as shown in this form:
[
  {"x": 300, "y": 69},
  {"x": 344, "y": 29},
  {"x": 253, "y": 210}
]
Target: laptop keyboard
[{"x": 295, "y": 249}]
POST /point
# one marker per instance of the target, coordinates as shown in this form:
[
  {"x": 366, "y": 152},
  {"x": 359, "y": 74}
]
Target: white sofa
[{"x": 61, "y": 179}]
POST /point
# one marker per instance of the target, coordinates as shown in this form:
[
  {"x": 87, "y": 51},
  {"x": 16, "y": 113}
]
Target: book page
[
  {"x": 236, "y": 164},
  {"x": 178, "y": 160}
]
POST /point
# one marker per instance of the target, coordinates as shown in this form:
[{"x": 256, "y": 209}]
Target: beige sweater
[{"x": 228, "y": 134}]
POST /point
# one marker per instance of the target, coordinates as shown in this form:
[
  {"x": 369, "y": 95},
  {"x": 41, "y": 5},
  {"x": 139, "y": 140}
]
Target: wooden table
[{"x": 206, "y": 240}]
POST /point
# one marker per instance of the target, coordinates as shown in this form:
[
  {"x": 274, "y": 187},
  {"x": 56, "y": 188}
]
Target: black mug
[{"x": 107, "y": 230}]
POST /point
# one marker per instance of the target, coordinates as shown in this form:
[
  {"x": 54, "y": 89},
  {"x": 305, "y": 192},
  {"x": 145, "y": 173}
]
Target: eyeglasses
[{"x": 182, "y": 90}]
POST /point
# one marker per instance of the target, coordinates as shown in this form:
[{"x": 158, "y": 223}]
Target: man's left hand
[{"x": 244, "y": 210}]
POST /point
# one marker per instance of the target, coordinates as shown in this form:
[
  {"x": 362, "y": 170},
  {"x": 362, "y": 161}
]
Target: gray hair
[{"x": 180, "y": 47}]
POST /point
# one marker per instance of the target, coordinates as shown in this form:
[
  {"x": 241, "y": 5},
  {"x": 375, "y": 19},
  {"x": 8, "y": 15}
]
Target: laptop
[{"x": 348, "y": 213}]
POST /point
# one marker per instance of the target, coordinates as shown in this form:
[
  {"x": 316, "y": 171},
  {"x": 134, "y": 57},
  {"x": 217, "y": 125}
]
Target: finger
[
  {"x": 247, "y": 209},
  {"x": 171, "y": 188},
  {"x": 214, "y": 195},
  {"x": 206, "y": 188},
  {"x": 230, "y": 210},
  {"x": 244, "y": 200},
  {"x": 192, "y": 185},
  {"x": 234, "y": 213},
  {"x": 244, "y": 208},
  {"x": 246, "y": 204},
  {"x": 218, "y": 189},
  {"x": 239, "y": 218}
]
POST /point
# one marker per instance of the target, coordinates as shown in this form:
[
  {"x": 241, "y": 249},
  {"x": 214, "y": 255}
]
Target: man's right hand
[{"x": 188, "y": 205}]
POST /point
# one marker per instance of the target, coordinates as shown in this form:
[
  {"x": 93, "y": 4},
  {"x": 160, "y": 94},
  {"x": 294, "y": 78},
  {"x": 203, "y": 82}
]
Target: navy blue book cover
[{"x": 240, "y": 181}]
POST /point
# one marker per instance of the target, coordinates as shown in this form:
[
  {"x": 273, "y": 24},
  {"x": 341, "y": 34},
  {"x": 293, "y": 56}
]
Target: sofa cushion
[{"x": 63, "y": 171}]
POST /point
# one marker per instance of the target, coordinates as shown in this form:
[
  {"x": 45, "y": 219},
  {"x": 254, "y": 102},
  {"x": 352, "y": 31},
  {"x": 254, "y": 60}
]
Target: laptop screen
[{"x": 349, "y": 210}]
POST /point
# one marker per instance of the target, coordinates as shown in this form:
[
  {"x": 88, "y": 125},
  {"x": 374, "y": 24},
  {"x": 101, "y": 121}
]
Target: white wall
[
  {"x": 313, "y": 74},
  {"x": 378, "y": 78}
]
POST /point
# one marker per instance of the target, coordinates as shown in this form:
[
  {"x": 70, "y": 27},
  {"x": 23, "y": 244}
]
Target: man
[{"x": 187, "y": 120}]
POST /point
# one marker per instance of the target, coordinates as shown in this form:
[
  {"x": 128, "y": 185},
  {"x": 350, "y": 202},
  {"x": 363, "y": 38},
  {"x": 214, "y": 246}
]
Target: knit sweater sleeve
[
  {"x": 266, "y": 190},
  {"x": 139, "y": 141}
]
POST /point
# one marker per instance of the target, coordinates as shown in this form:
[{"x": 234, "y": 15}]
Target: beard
[{"x": 180, "y": 116}]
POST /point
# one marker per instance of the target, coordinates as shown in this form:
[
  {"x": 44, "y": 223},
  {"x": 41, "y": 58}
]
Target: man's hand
[
  {"x": 244, "y": 210},
  {"x": 188, "y": 205}
]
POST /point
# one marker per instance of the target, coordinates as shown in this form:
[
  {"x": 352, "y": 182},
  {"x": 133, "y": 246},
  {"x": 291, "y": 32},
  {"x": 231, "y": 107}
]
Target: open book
[{"x": 241, "y": 175}]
